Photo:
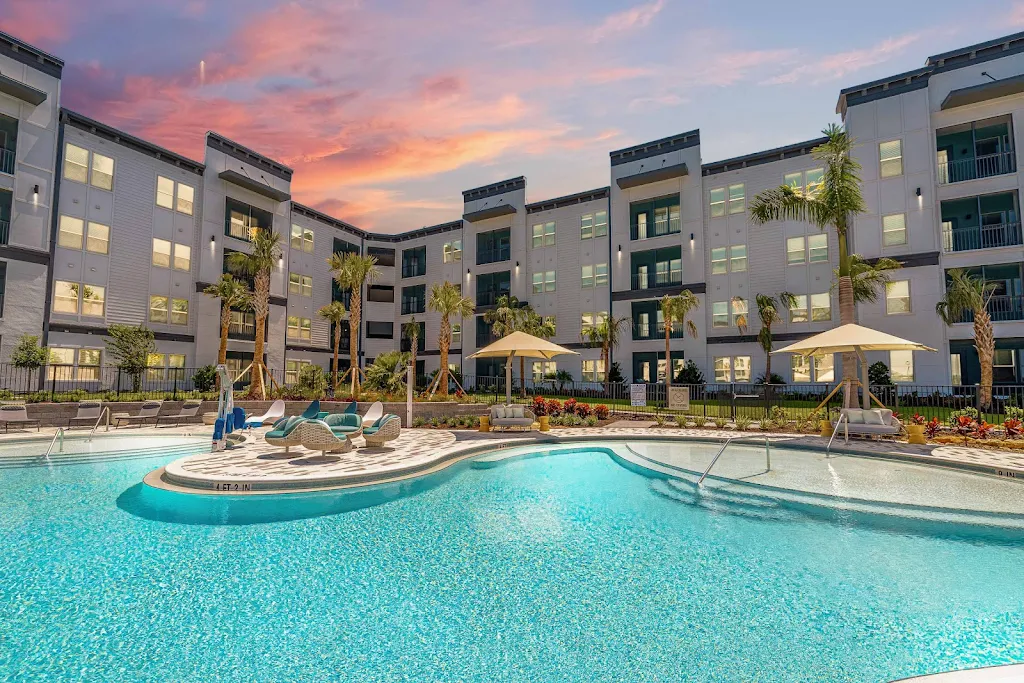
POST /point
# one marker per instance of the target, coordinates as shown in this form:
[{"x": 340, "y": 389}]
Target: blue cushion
[
  {"x": 352, "y": 408},
  {"x": 312, "y": 410},
  {"x": 344, "y": 420},
  {"x": 285, "y": 427}
]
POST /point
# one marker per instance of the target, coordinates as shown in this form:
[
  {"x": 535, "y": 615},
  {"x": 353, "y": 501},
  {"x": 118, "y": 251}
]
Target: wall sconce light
[
  {"x": 691, "y": 236},
  {"x": 213, "y": 239},
  {"x": 35, "y": 190},
  {"x": 919, "y": 192},
  {"x": 620, "y": 248},
  {"x": 517, "y": 264}
]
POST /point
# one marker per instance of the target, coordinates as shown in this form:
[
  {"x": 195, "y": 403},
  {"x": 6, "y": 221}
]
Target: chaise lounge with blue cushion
[
  {"x": 285, "y": 432},
  {"x": 387, "y": 428}
]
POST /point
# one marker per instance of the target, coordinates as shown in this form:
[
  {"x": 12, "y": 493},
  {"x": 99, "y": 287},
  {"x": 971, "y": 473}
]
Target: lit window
[
  {"x": 737, "y": 198},
  {"x": 801, "y": 368},
  {"x": 102, "y": 172},
  {"x": 292, "y": 370},
  {"x": 294, "y": 284},
  {"x": 89, "y": 364},
  {"x": 723, "y": 369},
  {"x": 542, "y": 368},
  {"x": 601, "y": 224},
  {"x": 601, "y": 275},
  {"x": 161, "y": 253},
  {"x": 798, "y": 309},
  {"x": 299, "y": 328},
  {"x": 738, "y": 258},
  {"x": 717, "y": 202},
  {"x": 70, "y": 233},
  {"x": 457, "y": 250},
  {"x": 182, "y": 257},
  {"x": 60, "y": 356},
  {"x": 894, "y": 230},
  {"x": 157, "y": 309},
  {"x": 543, "y": 235},
  {"x": 164, "y": 192},
  {"x": 817, "y": 248},
  {"x": 76, "y": 163},
  {"x": 296, "y": 239},
  {"x": 739, "y": 312},
  {"x": 794, "y": 180},
  {"x": 155, "y": 367},
  {"x": 586, "y": 227},
  {"x": 65, "y": 297},
  {"x": 891, "y": 156},
  {"x": 720, "y": 314},
  {"x": 815, "y": 178},
  {"x": 538, "y": 283},
  {"x": 93, "y": 299},
  {"x": 98, "y": 240},
  {"x": 446, "y": 253},
  {"x": 897, "y": 297},
  {"x": 794, "y": 251},
  {"x": 179, "y": 312},
  {"x": 719, "y": 262},
  {"x": 821, "y": 307},
  {"x": 741, "y": 368},
  {"x": 593, "y": 371},
  {"x": 825, "y": 368},
  {"x": 186, "y": 198},
  {"x": 176, "y": 363},
  {"x": 901, "y": 366},
  {"x": 587, "y": 278},
  {"x": 307, "y": 285},
  {"x": 456, "y": 333}
]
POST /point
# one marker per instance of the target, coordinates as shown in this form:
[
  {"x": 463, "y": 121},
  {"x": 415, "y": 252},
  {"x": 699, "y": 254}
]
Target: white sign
[
  {"x": 638, "y": 394},
  {"x": 678, "y": 398}
]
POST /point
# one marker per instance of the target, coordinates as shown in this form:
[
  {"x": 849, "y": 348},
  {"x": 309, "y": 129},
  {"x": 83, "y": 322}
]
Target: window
[
  {"x": 738, "y": 258},
  {"x": 719, "y": 262},
  {"x": 544, "y": 282},
  {"x": 897, "y": 297},
  {"x": 737, "y": 198},
  {"x": 65, "y": 297},
  {"x": 817, "y": 248},
  {"x": 164, "y": 192},
  {"x": 890, "y": 155},
  {"x": 801, "y": 368},
  {"x": 741, "y": 368},
  {"x": 587, "y": 277},
  {"x": 723, "y": 369},
  {"x": 894, "y": 230},
  {"x": 179, "y": 311},
  {"x": 1004, "y": 365},
  {"x": 825, "y": 368},
  {"x": 717, "y": 202},
  {"x": 241, "y": 220},
  {"x": 299, "y": 328},
  {"x": 452, "y": 251},
  {"x": 805, "y": 182},
  {"x": 821, "y": 307},
  {"x": 76, "y": 163},
  {"x": 93, "y": 299},
  {"x": 798, "y": 310},
  {"x": 901, "y": 366},
  {"x": 543, "y": 235},
  {"x": 70, "y": 232},
  {"x": 182, "y": 257},
  {"x": 98, "y": 240},
  {"x": 591, "y": 320},
  {"x": 155, "y": 369},
  {"x": 594, "y": 276},
  {"x": 88, "y": 366},
  {"x": 542, "y": 368},
  {"x": 300, "y": 285},
  {"x": 601, "y": 224},
  {"x": 301, "y": 239},
  {"x": 456, "y": 333},
  {"x": 586, "y": 227},
  {"x": 720, "y": 314},
  {"x": 379, "y": 293},
  {"x": 186, "y": 200},
  {"x": 380, "y": 330},
  {"x": 161, "y": 253},
  {"x": 593, "y": 371},
  {"x": 594, "y": 225},
  {"x": 739, "y": 312},
  {"x": 292, "y": 370},
  {"x": 794, "y": 251},
  {"x": 157, "y": 309},
  {"x": 102, "y": 172}
]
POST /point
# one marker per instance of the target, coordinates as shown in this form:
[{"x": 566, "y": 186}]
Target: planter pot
[
  {"x": 209, "y": 419},
  {"x": 826, "y": 429},
  {"x": 545, "y": 423},
  {"x": 485, "y": 423},
  {"x": 915, "y": 434}
]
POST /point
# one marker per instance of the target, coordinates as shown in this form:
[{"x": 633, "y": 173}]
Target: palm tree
[
  {"x": 334, "y": 313},
  {"x": 411, "y": 331},
  {"x": 676, "y": 309},
  {"x": 232, "y": 294},
  {"x": 607, "y": 334},
  {"x": 504, "y": 318},
  {"x": 531, "y": 322},
  {"x": 968, "y": 293},
  {"x": 266, "y": 251},
  {"x": 352, "y": 271},
  {"x": 869, "y": 280},
  {"x": 769, "y": 313},
  {"x": 833, "y": 205},
  {"x": 446, "y": 299}
]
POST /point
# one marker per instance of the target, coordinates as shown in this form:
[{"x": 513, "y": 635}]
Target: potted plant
[{"x": 915, "y": 429}]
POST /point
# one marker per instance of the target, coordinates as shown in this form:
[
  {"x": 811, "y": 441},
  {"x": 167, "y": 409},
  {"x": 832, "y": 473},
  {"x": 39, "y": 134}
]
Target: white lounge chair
[
  {"x": 375, "y": 413},
  {"x": 150, "y": 411},
  {"x": 276, "y": 411},
  {"x": 16, "y": 414}
]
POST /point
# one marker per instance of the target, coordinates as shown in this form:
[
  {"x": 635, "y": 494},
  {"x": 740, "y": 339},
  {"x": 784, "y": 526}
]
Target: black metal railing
[
  {"x": 982, "y": 237},
  {"x": 413, "y": 306},
  {"x": 490, "y": 297},
  {"x": 5, "y": 232},
  {"x": 244, "y": 330},
  {"x": 645, "y": 331},
  {"x": 643, "y": 231},
  {"x": 7, "y": 161},
  {"x": 414, "y": 269},
  {"x": 973, "y": 168},
  {"x": 495, "y": 255},
  {"x": 1002, "y": 308},
  {"x": 656, "y": 280}
]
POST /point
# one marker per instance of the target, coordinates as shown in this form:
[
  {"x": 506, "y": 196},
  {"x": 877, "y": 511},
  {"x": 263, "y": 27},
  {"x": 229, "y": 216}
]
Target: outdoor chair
[
  {"x": 276, "y": 411},
  {"x": 317, "y": 435},
  {"x": 17, "y": 414},
  {"x": 870, "y": 423},
  {"x": 375, "y": 412},
  {"x": 285, "y": 432},
  {"x": 88, "y": 413},
  {"x": 387, "y": 428},
  {"x": 512, "y": 416},
  {"x": 150, "y": 411},
  {"x": 189, "y": 410}
]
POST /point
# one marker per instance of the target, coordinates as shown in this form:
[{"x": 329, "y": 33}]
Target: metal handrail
[
  {"x": 106, "y": 412},
  {"x": 59, "y": 433},
  {"x": 767, "y": 454},
  {"x": 842, "y": 416}
]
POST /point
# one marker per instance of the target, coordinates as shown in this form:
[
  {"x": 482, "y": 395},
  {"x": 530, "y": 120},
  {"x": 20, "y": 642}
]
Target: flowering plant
[
  {"x": 1012, "y": 428},
  {"x": 917, "y": 419},
  {"x": 932, "y": 427}
]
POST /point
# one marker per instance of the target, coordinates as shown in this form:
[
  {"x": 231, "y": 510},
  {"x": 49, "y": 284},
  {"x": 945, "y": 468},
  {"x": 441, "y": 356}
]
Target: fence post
[
  {"x": 53, "y": 384},
  {"x": 175, "y": 396},
  {"x": 977, "y": 398},
  {"x": 119, "y": 382},
  {"x": 732, "y": 402}
]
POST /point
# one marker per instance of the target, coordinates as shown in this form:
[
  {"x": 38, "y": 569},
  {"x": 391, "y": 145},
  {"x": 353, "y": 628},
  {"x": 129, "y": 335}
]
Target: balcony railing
[
  {"x": 643, "y": 331},
  {"x": 496, "y": 255},
  {"x": 1, "y": 304},
  {"x": 983, "y": 237},
  {"x": 655, "y": 280},
  {"x": 244, "y": 330},
  {"x": 645, "y": 231},
  {"x": 490, "y": 297},
  {"x": 5, "y": 231},
  {"x": 414, "y": 269},
  {"x": 7, "y": 161},
  {"x": 977, "y": 167},
  {"x": 413, "y": 306},
  {"x": 1002, "y": 308}
]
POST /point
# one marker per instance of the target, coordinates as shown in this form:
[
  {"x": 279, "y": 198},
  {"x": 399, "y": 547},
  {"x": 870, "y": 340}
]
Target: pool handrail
[
  {"x": 105, "y": 411},
  {"x": 842, "y": 416},
  {"x": 767, "y": 454},
  {"x": 58, "y": 433}
]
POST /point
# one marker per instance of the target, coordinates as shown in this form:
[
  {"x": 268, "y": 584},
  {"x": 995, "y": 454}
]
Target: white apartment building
[{"x": 99, "y": 227}]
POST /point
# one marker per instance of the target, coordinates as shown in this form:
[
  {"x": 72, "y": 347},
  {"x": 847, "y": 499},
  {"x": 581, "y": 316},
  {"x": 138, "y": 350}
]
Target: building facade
[{"x": 98, "y": 227}]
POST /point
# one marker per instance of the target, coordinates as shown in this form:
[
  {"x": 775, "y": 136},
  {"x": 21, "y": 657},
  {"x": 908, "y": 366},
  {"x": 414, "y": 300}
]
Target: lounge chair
[
  {"x": 17, "y": 414},
  {"x": 375, "y": 413},
  {"x": 312, "y": 412},
  {"x": 88, "y": 413},
  {"x": 276, "y": 411},
  {"x": 285, "y": 432},
  {"x": 189, "y": 410},
  {"x": 317, "y": 435},
  {"x": 512, "y": 416},
  {"x": 872, "y": 423},
  {"x": 387, "y": 428},
  {"x": 348, "y": 424},
  {"x": 150, "y": 411}
]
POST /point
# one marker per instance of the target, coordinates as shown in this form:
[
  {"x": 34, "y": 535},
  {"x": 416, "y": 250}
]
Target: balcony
[
  {"x": 414, "y": 269},
  {"x": 244, "y": 330},
  {"x": 1002, "y": 308},
  {"x": 494, "y": 255},
  {"x": 413, "y": 306},
  {"x": 973, "y": 168},
  {"x": 490, "y": 297},
  {"x": 983, "y": 237},
  {"x": 647, "y": 331},
  {"x": 655, "y": 281},
  {"x": 643, "y": 231},
  {"x": 5, "y": 231},
  {"x": 7, "y": 161}
]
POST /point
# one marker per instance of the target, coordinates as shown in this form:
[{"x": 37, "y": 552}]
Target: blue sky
[{"x": 388, "y": 110}]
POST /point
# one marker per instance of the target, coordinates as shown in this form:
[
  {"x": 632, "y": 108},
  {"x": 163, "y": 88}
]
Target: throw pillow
[
  {"x": 855, "y": 416},
  {"x": 499, "y": 412},
  {"x": 873, "y": 417},
  {"x": 517, "y": 412}
]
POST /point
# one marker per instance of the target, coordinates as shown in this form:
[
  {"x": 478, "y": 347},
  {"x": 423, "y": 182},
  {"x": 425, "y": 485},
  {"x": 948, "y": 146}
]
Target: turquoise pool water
[{"x": 561, "y": 568}]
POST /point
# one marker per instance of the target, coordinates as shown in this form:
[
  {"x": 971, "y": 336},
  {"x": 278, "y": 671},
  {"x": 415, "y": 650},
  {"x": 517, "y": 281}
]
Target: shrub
[
  {"x": 963, "y": 425},
  {"x": 917, "y": 419},
  {"x": 583, "y": 410},
  {"x": 591, "y": 421},
  {"x": 720, "y": 422},
  {"x": 418, "y": 422},
  {"x": 569, "y": 407},
  {"x": 954, "y": 417},
  {"x": 312, "y": 380},
  {"x": 387, "y": 374},
  {"x": 982, "y": 430},
  {"x": 682, "y": 419},
  {"x": 205, "y": 378},
  {"x": 1012, "y": 428},
  {"x": 28, "y": 353},
  {"x": 743, "y": 423},
  {"x": 659, "y": 419},
  {"x": 601, "y": 411},
  {"x": 690, "y": 374},
  {"x": 615, "y": 374},
  {"x": 1014, "y": 413},
  {"x": 774, "y": 379},
  {"x": 878, "y": 374},
  {"x": 130, "y": 347},
  {"x": 554, "y": 407},
  {"x": 931, "y": 429},
  {"x": 778, "y": 416},
  {"x": 540, "y": 406}
]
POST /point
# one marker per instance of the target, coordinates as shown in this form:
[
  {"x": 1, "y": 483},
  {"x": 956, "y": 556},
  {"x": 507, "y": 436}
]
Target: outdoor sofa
[
  {"x": 874, "y": 423},
  {"x": 504, "y": 417}
]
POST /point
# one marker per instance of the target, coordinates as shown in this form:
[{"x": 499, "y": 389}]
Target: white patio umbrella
[
  {"x": 520, "y": 344},
  {"x": 852, "y": 339}
]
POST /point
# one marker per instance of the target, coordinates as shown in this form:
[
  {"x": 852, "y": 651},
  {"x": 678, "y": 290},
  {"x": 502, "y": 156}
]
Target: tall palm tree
[
  {"x": 411, "y": 331},
  {"x": 334, "y": 313},
  {"x": 676, "y": 309},
  {"x": 531, "y": 322},
  {"x": 232, "y": 294},
  {"x": 968, "y": 293},
  {"x": 266, "y": 251},
  {"x": 833, "y": 205},
  {"x": 352, "y": 271},
  {"x": 606, "y": 335},
  {"x": 869, "y": 280},
  {"x": 446, "y": 299},
  {"x": 504, "y": 317},
  {"x": 769, "y": 313}
]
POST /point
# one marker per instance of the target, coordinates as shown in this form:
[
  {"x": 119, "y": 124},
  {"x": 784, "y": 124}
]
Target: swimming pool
[
  {"x": 79, "y": 447},
  {"x": 568, "y": 567}
]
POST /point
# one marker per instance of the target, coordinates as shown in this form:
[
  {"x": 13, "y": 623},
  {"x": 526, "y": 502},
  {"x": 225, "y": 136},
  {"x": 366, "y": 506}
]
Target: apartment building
[{"x": 99, "y": 227}]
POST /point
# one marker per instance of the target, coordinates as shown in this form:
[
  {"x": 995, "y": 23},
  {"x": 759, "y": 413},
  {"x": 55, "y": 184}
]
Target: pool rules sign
[
  {"x": 678, "y": 398},
  {"x": 638, "y": 395}
]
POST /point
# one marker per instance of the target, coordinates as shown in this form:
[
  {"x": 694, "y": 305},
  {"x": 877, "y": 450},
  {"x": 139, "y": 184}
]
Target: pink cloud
[
  {"x": 841, "y": 64},
  {"x": 39, "y": 22},
  {"x": 633, "y": 18}
]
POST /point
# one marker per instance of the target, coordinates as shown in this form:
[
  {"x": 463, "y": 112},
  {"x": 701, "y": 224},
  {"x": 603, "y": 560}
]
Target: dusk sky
[{"x": 388, "y": 110}]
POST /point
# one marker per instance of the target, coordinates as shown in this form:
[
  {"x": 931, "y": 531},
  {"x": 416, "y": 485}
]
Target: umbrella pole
[
  {"x": 508, "y": 380},
  {"x": 864, "y": 379}
]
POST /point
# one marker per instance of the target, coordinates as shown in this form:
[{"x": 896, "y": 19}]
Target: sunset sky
[{"x": 388, "y": 110}]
